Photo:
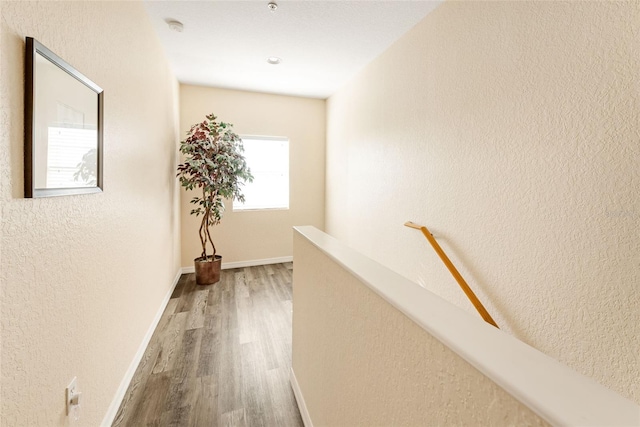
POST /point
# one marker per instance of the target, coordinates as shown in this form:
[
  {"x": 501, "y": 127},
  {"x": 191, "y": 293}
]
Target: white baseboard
[
  {"x": 302, "y": 406},
  {"x": 250, "y": 263},
  {"x": 128, "y": 376}
]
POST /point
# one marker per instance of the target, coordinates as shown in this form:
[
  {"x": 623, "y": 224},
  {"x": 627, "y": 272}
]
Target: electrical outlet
[{"x": 72, "y": 395}]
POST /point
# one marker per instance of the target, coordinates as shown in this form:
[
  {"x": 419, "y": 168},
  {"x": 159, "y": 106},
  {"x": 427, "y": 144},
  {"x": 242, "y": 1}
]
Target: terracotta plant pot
[{"x": 208, "y": 271}]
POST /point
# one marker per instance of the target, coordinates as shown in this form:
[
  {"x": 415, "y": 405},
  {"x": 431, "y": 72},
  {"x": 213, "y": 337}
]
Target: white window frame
[
  {"x": 66, "y": 147},
  {"x": 238, "y": 207}
]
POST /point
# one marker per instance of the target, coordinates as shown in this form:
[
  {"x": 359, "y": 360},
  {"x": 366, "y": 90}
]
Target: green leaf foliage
[{"x": 215, "y": 167}]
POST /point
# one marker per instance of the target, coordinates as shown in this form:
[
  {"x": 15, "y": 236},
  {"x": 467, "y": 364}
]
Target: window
[
  {"x": 268, "y": 159},
  {"x": 71, "y": 157}
]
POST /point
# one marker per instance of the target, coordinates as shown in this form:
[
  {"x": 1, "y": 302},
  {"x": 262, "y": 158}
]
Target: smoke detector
[
  {"x": 175, "y": 25},
  {"x": 272, "y": 6}
]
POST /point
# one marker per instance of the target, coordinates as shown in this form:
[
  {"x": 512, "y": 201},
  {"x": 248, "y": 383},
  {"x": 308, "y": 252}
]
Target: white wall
[
  {"x": 511, "y": 129},
  {"x": 83, "y": 276},
  {"x": 361, "y": 360},
  {"x": 373, "y": 348},
  {"x": 246, "y": 236}
]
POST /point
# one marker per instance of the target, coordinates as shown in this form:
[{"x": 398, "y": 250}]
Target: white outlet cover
[{"x": 70, "y": 392}]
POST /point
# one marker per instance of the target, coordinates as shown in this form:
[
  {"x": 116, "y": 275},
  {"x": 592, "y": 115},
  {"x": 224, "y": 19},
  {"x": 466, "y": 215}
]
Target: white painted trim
[
  {"x": 241, "y": 264},
  {"x": 253, "y": 263},
  {"x": 128, "y": 376},
  {"x": 302, "y": 406},
  {"x": 558, "y": 394}
]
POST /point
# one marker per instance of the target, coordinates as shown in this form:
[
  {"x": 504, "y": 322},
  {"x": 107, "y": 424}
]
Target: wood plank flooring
[{"x": 220, "y": 356}]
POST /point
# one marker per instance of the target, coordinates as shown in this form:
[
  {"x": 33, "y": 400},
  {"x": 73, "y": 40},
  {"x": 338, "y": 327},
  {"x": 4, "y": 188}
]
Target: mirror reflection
[{"x": 66, "y": 133}]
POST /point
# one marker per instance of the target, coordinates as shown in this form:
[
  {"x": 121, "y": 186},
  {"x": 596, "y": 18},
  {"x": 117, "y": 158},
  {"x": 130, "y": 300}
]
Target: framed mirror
[{"x": 63, "y": 127}]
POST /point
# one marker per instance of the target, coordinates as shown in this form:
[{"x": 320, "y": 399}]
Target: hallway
[{"x": 221, "y": 355}]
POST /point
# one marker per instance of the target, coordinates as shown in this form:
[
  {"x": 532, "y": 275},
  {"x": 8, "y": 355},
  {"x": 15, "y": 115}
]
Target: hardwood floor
[{"x": 220, "y": 356}]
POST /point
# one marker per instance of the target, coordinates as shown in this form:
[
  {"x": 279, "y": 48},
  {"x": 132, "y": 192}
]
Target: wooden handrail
[{"x": 454, "y": 272}]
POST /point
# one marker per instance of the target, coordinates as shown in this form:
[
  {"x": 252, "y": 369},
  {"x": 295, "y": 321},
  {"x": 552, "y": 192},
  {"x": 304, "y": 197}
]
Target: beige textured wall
[
  {"x": 360, "y": 362},
  {"x": 83, "y": 276},
  {"x": 258, "y": 235},
  {"x": 511, "y": 129}
]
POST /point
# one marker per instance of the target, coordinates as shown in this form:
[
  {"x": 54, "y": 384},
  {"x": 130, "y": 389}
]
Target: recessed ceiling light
[
  {"x": 175, "y": 25},
  {"x": 274, "y": 60},
  {"x": 272, "y": 6}
]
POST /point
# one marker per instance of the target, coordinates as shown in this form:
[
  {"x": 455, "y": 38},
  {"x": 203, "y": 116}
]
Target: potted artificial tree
[{"x": 214, "y": 167}]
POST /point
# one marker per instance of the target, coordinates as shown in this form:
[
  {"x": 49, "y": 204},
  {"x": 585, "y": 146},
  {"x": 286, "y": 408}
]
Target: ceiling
[{"x": 322, "y": 44}]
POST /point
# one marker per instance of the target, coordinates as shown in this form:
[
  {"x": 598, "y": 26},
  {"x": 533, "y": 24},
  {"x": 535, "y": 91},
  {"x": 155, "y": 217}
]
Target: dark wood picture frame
[{"x": 34, "y": 48}]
